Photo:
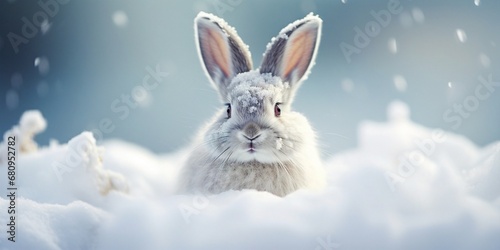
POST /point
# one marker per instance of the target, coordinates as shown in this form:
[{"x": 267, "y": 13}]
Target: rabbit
[{"x": 255, "y": 141}]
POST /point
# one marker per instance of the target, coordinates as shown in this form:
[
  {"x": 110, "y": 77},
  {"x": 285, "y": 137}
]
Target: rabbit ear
[
  {"x": 291, "y": 54},
  {"x": 222, "y": 52}
]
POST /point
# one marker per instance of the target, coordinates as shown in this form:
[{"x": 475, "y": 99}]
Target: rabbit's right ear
[{"x": 222, "y": 52}]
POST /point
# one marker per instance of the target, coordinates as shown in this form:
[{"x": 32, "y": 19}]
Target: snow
[
  {"x": 228, "y": 30},
  {"x": 31, "y": 123},
  {"x": 290, "y": 27},
  {"x": 461, "y": 35},
  {"x": 418, "y": 15},
  {"x": 43, "y": 65},
  {"x": 120, "y": 18},
  {"x": 393, "y": 46},
  {"x": 400, "y": 83},
  {"x": 279, "y": 143},
  {"x": 404, "y": 186},
  {"x": 347, "y": 85},
  {"x": 251, "y": 88},
  {"x": 45, "y": 26},
  {"x": 484, "y": 60}
]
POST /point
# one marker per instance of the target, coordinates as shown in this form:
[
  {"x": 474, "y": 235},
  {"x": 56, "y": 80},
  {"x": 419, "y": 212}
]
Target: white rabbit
[{"x": 255, "y": 141}]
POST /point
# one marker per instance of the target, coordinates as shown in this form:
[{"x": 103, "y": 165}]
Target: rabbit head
[{"x": 256, "y": 122}]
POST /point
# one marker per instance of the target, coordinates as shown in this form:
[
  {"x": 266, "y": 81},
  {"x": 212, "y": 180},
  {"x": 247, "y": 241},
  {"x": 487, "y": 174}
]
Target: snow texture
[
  {"x": 279, "y": 143},
  {"x": 250, "y": 88},
  {"x": 228, "y": 29},
  {"x": 31, "y": 123},
  {"x": 290, "y": 27},
  {"x": 404, "y": 187},
  {"x": 284, "y": 34}
]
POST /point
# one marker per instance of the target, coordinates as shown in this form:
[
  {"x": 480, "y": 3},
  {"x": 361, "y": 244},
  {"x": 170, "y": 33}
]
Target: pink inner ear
[
  {"x": 298, "y": 53},
  {"x": 216, "y": 50}
]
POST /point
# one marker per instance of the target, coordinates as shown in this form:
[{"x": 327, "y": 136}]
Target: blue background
[{"x": 93, "y": 62}]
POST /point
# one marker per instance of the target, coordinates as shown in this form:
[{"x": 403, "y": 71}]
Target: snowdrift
[{"x": 404, "y": 187}]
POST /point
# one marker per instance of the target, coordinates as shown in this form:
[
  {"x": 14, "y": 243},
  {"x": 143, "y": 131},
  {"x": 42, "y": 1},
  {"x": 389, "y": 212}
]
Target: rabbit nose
[{"x": 251, "y": 131}]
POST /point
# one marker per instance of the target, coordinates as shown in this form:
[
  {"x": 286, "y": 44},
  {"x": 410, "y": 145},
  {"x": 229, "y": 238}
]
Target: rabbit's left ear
[
  {"x": 222, "y": 52},
  {"x": 291, "y": 54}
]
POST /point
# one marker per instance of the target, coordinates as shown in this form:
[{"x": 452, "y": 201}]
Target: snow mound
[
  {"x": 60, "y": 174},
  {"x": 81, "y": 165},
  {"x": 51, "y": 226},
  {"x": 404, "y": 187},
  {"x": 30, "y": 124}
]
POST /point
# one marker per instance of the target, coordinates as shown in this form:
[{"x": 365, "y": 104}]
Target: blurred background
[{"x": 79, "y": 62}]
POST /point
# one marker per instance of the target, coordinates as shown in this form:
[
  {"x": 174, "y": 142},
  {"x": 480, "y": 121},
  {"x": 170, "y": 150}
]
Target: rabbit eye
[
  {"x": 277, "y": 109},
  {"x": 228, "y": 111}
]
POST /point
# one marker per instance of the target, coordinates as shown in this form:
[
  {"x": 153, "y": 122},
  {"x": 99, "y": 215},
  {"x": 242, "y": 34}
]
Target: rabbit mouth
[
  {"x": 253, "y": 154},
  {"x": 251, "y": 151},
  {"x": 251, "y": 139},
  {"x": 254, "y": 146},
  {"x": 251, "y": 147}
]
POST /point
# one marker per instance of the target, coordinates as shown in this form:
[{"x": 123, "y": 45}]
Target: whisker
[
  {"x": 284, "y": 167},
  {"x": 208, "y": 142},
  {"x": 335, "y": 134}
]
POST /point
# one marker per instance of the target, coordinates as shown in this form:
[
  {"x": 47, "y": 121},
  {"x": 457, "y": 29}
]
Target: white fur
[{"x": 254, "y": 148}]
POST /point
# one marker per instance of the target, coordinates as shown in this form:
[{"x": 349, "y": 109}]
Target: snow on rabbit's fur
[
  {"x": 451, "y": 199},
  {"x": 257, "y": 141}
]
